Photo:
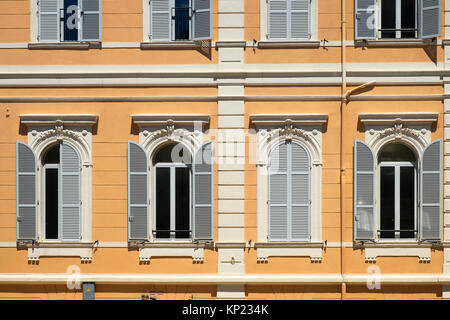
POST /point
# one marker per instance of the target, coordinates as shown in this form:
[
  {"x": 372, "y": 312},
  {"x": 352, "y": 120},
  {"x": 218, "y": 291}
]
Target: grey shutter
[
  {"x": 278, "y": 193},
  {"x": 203, "y": 172},
  {"x": 430, "y": 18},
  {"x": 70, "y": 193},
  {"x": 26, "y": 188},
  {"x": 91, "y": 20},
  {"x": 49, "y": 21},
  {"x": 138, "y": 226},
  {"x": 160, "y": 21},
  {"x": 365, "y": 19},
  {"x": 202, "y": 19},
  {"x": 431, "y": 192},
  {"x": 300, "y": 168},
  {"x": 364, "y": 192},
  {"x": 277, "y": 19},
  {"x": 300, "y": 19}
]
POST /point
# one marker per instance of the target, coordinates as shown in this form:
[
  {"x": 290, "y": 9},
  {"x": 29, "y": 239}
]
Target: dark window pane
[
  {"x": 182, "y": 202},
  {"x": 387, "y": 205},
  {"x": 52, "y": 155},
  {"x": 396, "y": 152},
  {"x": 407, "y": 201},
  {"x": 408, "y": 18},
  {"x": 388, "y": 20},
  {"x": 51, "y": 203},
  {"x": 172, "y": 153},
  {"x": 163, "y": 202},
  {"x": 182, "y": 19},
  {"x": 71, "y": 20}
]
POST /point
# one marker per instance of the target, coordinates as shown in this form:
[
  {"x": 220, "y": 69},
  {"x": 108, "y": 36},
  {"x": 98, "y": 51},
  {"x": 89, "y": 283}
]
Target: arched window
[
  {"x": 289, "y": 192},
  {"x": 172, "y": 193},
  {"x": 397, "y": 176}
]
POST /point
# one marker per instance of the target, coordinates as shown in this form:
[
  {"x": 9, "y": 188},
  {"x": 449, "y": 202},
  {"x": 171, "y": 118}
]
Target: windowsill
[
  {"x": 401, "y": 243},
  {"x": 63, "y": 45},
  {"x": 54, "y": 244},
  {"x": 264, "y": 250},
  {"x": 395, "y": 43},
  {"x": 275, "y": 44},
  {"x": 190, "y": 44}
]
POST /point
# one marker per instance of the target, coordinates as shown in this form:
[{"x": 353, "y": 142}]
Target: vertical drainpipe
[{"x": 341, "y": 165}]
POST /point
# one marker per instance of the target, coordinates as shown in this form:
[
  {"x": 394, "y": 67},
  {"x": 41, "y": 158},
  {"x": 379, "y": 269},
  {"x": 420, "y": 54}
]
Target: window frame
[
  {"x": 43, "y": 191},
  {"x": 264, "y": 23},
  {"x": 154, "y": 200},
  {"x": 397, "y": 21},
  {"x": 397, "y": 214}
]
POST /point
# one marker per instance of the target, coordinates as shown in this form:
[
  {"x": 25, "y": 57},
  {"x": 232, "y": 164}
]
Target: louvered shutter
[
  {"x": 138, "y": 221},
  {"x": 365, "y": 19},
  {"x": 277, "y": 19},
  {"x": 91, "y": 17},
  {"x": 431, "y": 192},
  {"x": 202, "y": 19},
  {"x": 430, "y": 18},
  {"x": 300, "y": 19},
  {"x": 70, "y": 193},
  {"x": 300, "y": 168},
  {"x": 203, "y": 172},
  {"x": 160, "y": 21},
  {"x": 278, "y": 193},
  {"x": 364, "y": 192},
  {"x": 26, "y": 188},
  {"x": 49, "y": 21}
]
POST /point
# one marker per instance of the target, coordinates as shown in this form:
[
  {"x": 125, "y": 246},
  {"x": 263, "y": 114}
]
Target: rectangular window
[
  {"x": 398, "y": 19},
  {"x": 69, "y": 20},
  {"x": 289, "y": 19}
]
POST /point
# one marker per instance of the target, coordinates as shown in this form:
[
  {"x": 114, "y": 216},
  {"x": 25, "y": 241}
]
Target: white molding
[
  {"x": 145, "y": 254},
  {"x": 163, "y": 119},
  {"x": 53, "y": 119},
  {"x": 392, "y": 118},
  {"x": 371, "y": 254},
  {"x": 34, "y": 254},
  {"x": 296, "y": 119},
  {"x": 263, "y": 279},
  {"x": 264, "y": 253}
]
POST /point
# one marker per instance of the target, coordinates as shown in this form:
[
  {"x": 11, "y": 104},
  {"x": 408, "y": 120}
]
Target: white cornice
[
  {"x": 392, "y": 118},
  {"x": 52, "y": 119},
  {"x": 163, "y": 119},
  {"x": 295, "y": 119}
]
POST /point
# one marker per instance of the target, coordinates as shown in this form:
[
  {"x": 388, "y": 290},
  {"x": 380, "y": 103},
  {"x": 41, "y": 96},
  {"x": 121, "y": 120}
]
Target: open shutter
[
  {"x": 300, "y": 169},
  {"x": 203, "y": 172},
  {"x": 364, "y": 192},
  {"x": 160, "y": 20},
  {"x": 300, "y": 19},
  {"x": 138, "y": 226},
  {"x": 48, "y": 21},
  {"x": 91, "y": 17},
  {"x": 26, "y": 187},
  {"x": 70, "y": 193},
  {"x": 365, "y": 19},
  {"x": 277, "y": 19},
  {"x": 202, "y": 19},
  {"x": 431, "y": 192},
  {"x": 430, "y": 18},
  {"x": 278, "y": 193}
]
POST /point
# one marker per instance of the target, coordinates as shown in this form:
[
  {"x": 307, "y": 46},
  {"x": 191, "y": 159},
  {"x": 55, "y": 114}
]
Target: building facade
[{"x": 224, "y": 149}]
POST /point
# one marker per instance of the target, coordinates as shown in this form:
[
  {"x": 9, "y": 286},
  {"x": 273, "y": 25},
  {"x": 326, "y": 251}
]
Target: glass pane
[
  {"x": 407, "y": 201},
  {"x": 172, "y": 153},
  {"x": 51, "y": 203},
  {"x": 408, "y": 18},
  {"x": 387, "y": 204},
  {"x": 71, "y": 22},
  {"x": 396, "y": 152},
  {"x": 182, "y": 201},
  {"x": 388, "y": 20},
  {"x": 163, "y": 202},
  {"x": 52, "y": 155},
  {"x": 182, "y": 19}
]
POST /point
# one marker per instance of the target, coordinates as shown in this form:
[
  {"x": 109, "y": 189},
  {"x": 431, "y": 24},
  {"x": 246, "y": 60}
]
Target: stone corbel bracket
[
  {"x": 85, "y": 254},
  {"x": 424, "y": 254},
  {"x": 263, "y": 254},
  {"x": 145, "y": 254}
]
